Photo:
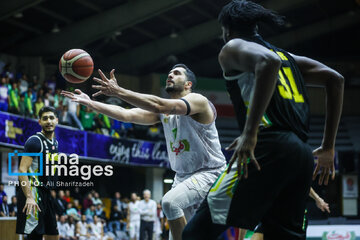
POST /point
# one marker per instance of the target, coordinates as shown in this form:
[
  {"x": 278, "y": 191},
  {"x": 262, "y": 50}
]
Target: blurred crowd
[
  {"x": 25, "y": 96},
  {"x": 83, "y": 217}
]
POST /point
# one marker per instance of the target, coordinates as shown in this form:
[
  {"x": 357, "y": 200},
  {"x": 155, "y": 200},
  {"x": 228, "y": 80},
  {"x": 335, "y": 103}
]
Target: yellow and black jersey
[{"x": 289, "y": 105}]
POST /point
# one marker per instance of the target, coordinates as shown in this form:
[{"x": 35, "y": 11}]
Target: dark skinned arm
[
  {"x": 317, "y": 74},
  {"x": 242, "y": 56}
]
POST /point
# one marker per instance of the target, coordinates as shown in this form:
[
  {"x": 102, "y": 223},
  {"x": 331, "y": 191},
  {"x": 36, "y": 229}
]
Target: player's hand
[
  {"x": 78, "y": 97},
  {"x": 325, "y": 165},
  {"x": 107, "y": 86},
  {"x": 30, "y": 205},
  {"x": 322, "y": 205},
  {"x": 243, "y": 147}
]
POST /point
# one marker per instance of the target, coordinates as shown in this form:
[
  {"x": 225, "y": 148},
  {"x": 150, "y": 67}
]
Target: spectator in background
[
  {"x": 102, "y": 124},
  {"x": 99, "y": 211},
  {"x": 96, "y": 199},
  {"x": 24, "y": 107},
  {"x": 82, "y": 229},
  {"x": 97, "y": 230},
  {"x": 32, "y": 95},
  {"x": 71, "y": 229},
  {"x": 4, "y": 209},
  {"x": 64, "y": 117},
  {"x": 87, "y": 201},
  {"x": 50, "y": 97},
  {"x": 117, "y": 201},
  {"x": 41, "y": 93},
  {"x": 77, "y": 195},
  {"x": 63, "y": 228},
  {"x": 133, "y": 217},
  {"x": 4, "y": 96},
  {"x": 47, "y": 100},
  {"x": 73, "y": 112},
  {"x": 77, "y": 206},
  {"x": 60, "y": 203},
  {"x": 2, "y": 192},
  {"x": 51, "y": 84},
  {"x": 29, "y": 101},
  {"x": 148, "y": 211},
  {"x": 38, "y": 105},
  {"x": 58, "y": 100},
  {"x": 87, "y": 118},
  {"x": 67, "y": 196},
  {"x": 35, "y": 83},
  {"x": 158, "y": 224},
  {"x": 13, "y": 207},
  {"x": 23, "y": 84},
  {"x": 71, "y": 211},
  {"x": 14, "y": 98},
  {"x": 90, "y": 213},
  {"x": 115, "y": 216}
]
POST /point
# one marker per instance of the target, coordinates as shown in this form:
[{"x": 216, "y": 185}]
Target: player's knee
[{"x": 171, "y": 208}]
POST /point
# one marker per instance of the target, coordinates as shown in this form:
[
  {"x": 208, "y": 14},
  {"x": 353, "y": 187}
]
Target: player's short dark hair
[
  {"x": 190, "y": 76},
  {"x": 47, "y": 109},
  {"x": 243, "y": 16}
]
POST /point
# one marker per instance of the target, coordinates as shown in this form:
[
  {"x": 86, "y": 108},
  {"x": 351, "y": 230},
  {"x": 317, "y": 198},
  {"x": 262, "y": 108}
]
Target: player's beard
[
  {"x": 174, "y": 88},
  {"x": 47, "y": 132}
]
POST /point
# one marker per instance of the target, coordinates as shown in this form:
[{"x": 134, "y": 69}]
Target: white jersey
[
  {"x": 134, "y": 211},
  {"x": 83, "y": 230},
  {"x": 192, "y": 146}
]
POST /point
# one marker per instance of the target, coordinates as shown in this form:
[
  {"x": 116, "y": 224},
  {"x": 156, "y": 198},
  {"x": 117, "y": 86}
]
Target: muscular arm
[
  {"x": 242, "y": 56},
  {"x": 134, "y": 115},
  {"x": 317, "y": 74},
  {"x": 24, "y": 180},
  {"x": 197, "y": 102}
]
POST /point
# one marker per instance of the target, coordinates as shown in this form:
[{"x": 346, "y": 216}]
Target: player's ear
[{"x": 188, "y": 84}]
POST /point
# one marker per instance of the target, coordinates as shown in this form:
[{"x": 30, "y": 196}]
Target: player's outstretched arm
[
  {"x": 134, "y": 115},
  {"x": 30, "y": 204},
  {"x": 317, "y": 74},
  {"x": 320, "y": 203},
  {"x": 152, "y": 103},
  {"x": 242, "y": 56}
]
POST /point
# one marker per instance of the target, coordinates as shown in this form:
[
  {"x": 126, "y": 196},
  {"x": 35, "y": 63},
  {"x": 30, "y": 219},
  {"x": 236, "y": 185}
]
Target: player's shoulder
[
  {"x": 34, "y": 139},
  {"x": 195, "y": 96}
]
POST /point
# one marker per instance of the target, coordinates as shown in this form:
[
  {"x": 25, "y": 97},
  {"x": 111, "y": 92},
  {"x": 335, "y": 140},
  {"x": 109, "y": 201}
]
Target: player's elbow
[
  {"x": 271, "y": 60},
  {"x": 268, "y": 64},
  {"x": 335, "y": 81}
]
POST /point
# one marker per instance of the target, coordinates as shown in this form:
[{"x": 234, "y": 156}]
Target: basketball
[{"x": 76, "y": 66}]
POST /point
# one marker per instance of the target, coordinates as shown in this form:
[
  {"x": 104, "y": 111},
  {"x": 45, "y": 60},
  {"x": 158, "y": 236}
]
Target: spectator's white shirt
[
  {"x": 134, "y": 211},
  {"x": 148, "y": 210},
  {"x": 96, "y": 201},
  {"x": 63, "y": 228},
  {"x": 71, "y": 230},
  {"x": 24, "y": 85},
  {"x": 83, "y": 230},
  {"x": 96, "y": 230},
  {"x": 72, "y": 106}
]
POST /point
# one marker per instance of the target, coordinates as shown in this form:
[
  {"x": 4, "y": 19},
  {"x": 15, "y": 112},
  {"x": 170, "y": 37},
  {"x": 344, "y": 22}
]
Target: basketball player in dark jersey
[
  {"x": 267, "y": 86},
  {"x": 36, "y": 215}
]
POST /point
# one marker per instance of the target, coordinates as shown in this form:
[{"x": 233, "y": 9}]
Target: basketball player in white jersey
[
  {"x": 133, "y": 217},
  {"x": 192, "y": 139}
]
